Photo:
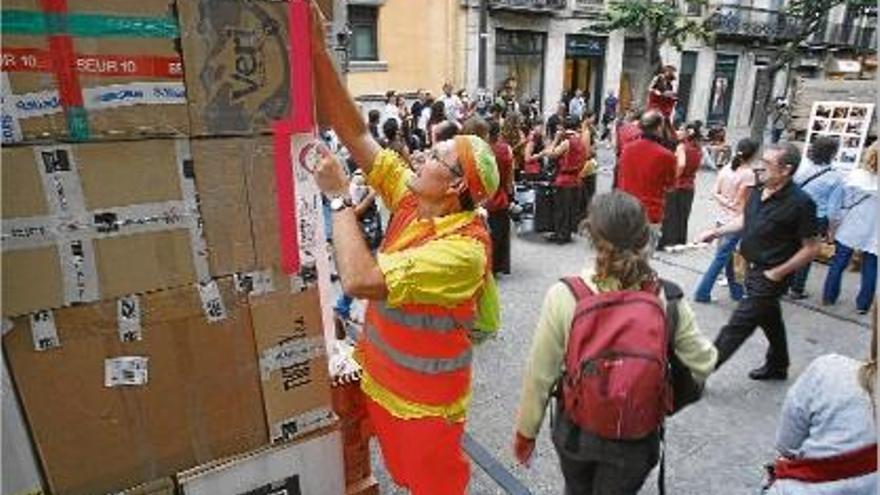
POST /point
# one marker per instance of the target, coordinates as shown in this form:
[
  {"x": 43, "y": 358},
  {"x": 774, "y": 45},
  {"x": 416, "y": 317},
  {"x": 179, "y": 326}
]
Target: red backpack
[{"x": 616, "y": 382}]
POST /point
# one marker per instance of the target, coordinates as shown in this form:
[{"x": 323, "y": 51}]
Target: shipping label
[
  {"x": 126, "y": 371},
  {"x": 43, "y": 330},
  {"x": 212, "y": 302},
  {"x": 128, "y": 317}
]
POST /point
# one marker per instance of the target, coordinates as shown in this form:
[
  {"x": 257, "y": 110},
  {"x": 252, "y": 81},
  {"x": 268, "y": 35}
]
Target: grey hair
[{"x": 789, "y": 154}]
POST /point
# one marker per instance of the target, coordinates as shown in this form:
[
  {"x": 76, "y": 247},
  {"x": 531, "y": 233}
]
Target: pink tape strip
[
  {"x": 302, "y": 113},
  {"x": 285, "y": 198}
]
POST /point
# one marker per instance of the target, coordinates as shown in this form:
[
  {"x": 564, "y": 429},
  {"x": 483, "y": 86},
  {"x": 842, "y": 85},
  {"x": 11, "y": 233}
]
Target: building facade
[{"x": 551, "y": 48}]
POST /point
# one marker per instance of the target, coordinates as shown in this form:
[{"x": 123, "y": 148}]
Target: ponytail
[{"x": 746, "y": 149}]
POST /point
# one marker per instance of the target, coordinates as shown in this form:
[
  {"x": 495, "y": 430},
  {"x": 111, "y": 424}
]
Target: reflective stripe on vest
[
  {"x": 422, "y": 321},
  {"x": 430, "y": 366}
]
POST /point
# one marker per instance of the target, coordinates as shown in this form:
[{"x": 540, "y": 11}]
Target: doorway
[{"x": 584, "y": 63}]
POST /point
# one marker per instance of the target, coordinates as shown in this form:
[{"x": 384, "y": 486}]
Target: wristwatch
[{"x": 339, "y": 203}]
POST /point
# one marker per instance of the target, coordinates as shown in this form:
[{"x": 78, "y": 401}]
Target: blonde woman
[{"x": 852, "y": 213}]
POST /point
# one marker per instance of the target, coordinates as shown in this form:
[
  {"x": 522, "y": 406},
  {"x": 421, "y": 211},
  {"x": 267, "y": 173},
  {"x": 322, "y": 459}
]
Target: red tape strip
[
  {"x": 302, "y": 107},
  {"x": 61, "y": 48},
  {"x": 36, "y": 60},
  {"x": 285, "y": 191}
]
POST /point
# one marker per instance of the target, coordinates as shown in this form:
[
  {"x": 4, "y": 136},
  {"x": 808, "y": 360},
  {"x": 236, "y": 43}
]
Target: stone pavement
[{"x": 714, "y": 447}]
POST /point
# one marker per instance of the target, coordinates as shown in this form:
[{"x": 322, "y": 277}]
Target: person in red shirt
[
  {"x": 570, "y": 154},
  {"x": 499, "y": 222},
  {"x": 688, "y": 156},
  {"x": 647, "y": 169},
  {"x": 626, "y": 132}
]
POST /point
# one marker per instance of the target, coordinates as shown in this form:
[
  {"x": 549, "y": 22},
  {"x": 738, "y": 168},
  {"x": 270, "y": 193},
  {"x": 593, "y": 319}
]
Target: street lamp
[{"x": 342, "y": 47}]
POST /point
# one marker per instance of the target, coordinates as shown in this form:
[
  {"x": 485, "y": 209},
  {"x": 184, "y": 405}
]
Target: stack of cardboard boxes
[{"x": 154, "y": 341}]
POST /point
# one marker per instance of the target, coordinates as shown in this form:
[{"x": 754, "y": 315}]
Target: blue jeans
[
  {"x": 842, "y": 255},
  {"x": 723, "y": 261}
]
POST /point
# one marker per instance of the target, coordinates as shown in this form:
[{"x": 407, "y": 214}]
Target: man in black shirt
[{"x": 779, "y": 231}]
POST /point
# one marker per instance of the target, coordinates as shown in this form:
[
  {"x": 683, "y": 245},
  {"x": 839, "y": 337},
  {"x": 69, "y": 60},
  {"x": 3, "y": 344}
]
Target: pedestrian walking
[
  {"x": 779, "y": 231},
  {"x": 429, "y": 286},
  {"x": 680, "y": 199},
  {"x": 608, "y": 443},
  {"x": 647, "y": 169},
  {"x": 819, "y": 180},
  {"x": 730, "y": 193},
  {"x": 609, "y": 115},
  {"x": 827, "y": 433},
  {"x": 497, "y": 206},
  {"x": 577, "y": 105},
  {"x": 587, "y": 174},
  {"x": 780, "y": 120},
  {"x": 570, "y": 154},
  {"x": 852, "y": 211}
]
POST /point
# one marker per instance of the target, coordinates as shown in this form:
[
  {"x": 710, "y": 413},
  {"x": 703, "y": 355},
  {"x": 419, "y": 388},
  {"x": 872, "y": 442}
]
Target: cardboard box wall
[
  {"x": 92, "y": 221},
  {"x": 237, "y": 65},
  {"x": 126, "y": 68},
  {"x": 308, "y": 466},
  {"x": 293, "y": 362},
  {"x": 201, "y": 400}
]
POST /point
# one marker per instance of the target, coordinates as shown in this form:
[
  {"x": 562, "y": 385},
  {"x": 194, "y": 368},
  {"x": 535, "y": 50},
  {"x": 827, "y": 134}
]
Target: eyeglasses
[{"x": 454, "y": 169}]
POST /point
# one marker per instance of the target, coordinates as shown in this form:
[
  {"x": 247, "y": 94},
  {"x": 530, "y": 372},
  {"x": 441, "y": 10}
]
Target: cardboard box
[
  {"x": 125, "y": 77},
  {"x": 293, "y": 362},
  {"x": 164, "y": 486},
  {"x": 310, "y": 466},
  {"x": 237, "y": 66},
  {"x": 92, "y": 221},
  {"x": 20, "y": 471},
  {"x": 139, "y": 389}
]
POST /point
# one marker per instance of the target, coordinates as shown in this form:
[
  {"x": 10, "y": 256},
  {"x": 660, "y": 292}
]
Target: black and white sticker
[
  {"x": 254, "y": 283},
  {"x": 126, "y": 371},
  {"x": 43, "y": 330},
  {"x": 212, "y": 302},
  {"x": 128, "y": 318},
  {"x": 306, "y": 422}
]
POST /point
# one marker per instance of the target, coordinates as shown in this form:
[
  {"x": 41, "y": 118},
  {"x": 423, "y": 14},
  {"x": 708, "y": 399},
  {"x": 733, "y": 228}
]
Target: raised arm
[{"x": 335, "y": 105}]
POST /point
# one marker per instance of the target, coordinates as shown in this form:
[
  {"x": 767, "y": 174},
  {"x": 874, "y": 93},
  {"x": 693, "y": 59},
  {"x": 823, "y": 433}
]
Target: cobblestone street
[{"x": 717, "y": 446}]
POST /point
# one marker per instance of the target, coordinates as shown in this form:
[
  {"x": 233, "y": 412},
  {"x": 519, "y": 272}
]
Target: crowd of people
[{"x": 617, "y": 349}]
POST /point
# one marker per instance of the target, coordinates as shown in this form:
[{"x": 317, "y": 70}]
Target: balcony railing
[
  {"x": 850, "y": 35},
  {"x": 739, "y": 21},
  {"x": 539, "y": 6}
]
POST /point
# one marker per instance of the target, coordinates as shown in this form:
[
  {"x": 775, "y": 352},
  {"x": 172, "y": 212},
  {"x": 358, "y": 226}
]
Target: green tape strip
[
  {"x": 26, "y": 22},
  {"x": 77, "y": 123}
]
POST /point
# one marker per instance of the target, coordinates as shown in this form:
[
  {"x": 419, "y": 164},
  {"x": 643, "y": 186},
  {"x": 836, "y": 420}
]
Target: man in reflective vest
[{"x": 429, "y": 287}]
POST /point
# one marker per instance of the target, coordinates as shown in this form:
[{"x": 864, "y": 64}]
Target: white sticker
[
  {"x": 135, "y": 93},
  {"x": 126, "y": 371},
  {"x": 35, "y": 104},
  {"x": 212, "y": 303},
  {"x": 254, "y": 283},
  {"x": 128, "y": 317},
  {"x": 306, "y": 422},
  {"x": 43, "y": 330},
  {"x": 290, "y": 353}
]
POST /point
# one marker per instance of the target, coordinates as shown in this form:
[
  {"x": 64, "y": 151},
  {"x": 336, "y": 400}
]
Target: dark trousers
[
  {"x": 565, "y": 211},
  {"x": 499, "y": 229},
  {"x": 597, "y": 466},
  {"x": 587, "y": 191},
  {"x": 676, "y": 216},
  {"x": 760, "y": 308}
]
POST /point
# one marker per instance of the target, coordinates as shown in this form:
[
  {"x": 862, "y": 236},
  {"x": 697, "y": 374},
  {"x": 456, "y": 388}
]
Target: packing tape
[
  {"x": 298, "y": 425},
  {"x": 72, "y": 229},
  {"x": 9, "y": 124},
  {"x": 6, "y": 326},
  {"x": 128, "y": 318},
  {"x": 38, "y": 60},
  {"x": 198, "y": 244},
  {"x": 43, "y": 330},
  {"x": 285, "y": 194},
  {"x": 290, "y": 353},
  {"x": 33, "y": 23},
  {"x": 64, "y": 195}
]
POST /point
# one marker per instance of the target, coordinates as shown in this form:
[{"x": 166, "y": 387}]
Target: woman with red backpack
[{"x": 603, "y": 344}]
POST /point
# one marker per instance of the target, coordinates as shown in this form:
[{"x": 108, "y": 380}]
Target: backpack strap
[
  {"x": 578, "y": 287},
  {"x": 815, "y": 176}
]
